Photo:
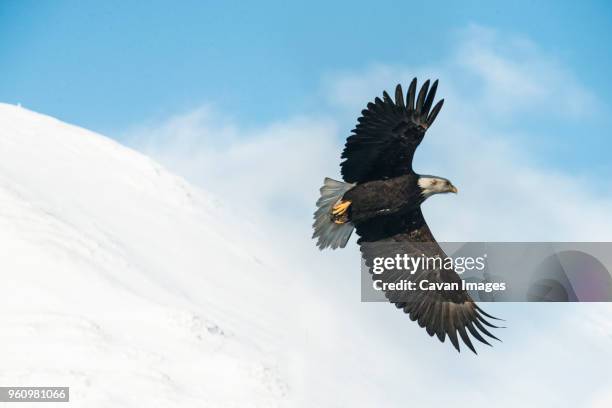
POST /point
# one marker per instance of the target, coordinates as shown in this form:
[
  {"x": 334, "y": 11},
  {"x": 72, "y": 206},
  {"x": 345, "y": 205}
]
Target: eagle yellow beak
[{"x": 453, "y": 189}]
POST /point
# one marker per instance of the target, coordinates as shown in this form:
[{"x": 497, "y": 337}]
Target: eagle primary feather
[
  {"x": 387, "y": 134},
  {"x": 383, "y": 206}
]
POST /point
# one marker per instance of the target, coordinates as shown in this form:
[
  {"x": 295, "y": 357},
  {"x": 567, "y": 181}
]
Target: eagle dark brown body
[{"x": 381, "y": 199}]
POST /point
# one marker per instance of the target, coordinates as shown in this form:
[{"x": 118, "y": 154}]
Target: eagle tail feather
[{"x": 330, "y": 234}]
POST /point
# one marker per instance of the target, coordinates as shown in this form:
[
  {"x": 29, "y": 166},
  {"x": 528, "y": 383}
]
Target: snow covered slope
[{"x": 123, "y": 282}]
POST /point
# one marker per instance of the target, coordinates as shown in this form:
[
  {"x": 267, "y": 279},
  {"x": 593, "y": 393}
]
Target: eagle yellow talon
[{"x": 340, "y": 208}]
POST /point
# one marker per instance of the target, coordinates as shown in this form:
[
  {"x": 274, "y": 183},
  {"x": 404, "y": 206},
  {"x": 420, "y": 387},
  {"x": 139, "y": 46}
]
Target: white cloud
[
  {"x": 273, "y": 173},
  {"x": 603, "y": 398},
  {"x": 516, "y": 76},
  {"x": 269, "y": 162}
]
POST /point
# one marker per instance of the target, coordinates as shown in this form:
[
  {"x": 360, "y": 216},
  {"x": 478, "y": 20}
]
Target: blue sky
[{"x": 107, "y": 65}]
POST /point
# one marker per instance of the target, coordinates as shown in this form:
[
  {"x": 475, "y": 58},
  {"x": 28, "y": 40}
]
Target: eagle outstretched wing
[
  {"x": 442, "y": 313},
  {"x": 383, "y": 143}
]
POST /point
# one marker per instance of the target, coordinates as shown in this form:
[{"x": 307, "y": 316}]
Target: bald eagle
[{"x": 381, "y": 199}]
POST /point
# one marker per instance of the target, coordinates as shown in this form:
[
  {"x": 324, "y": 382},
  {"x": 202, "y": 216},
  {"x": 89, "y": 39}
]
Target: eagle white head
[{"x": 431, "y": 185}]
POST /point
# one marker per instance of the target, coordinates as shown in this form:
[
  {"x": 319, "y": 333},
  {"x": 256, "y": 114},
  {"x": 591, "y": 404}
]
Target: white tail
[{"x": 328, "y": 233}]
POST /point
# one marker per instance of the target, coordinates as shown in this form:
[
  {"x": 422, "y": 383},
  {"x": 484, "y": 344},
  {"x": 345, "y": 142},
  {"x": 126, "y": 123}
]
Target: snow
[{"x": 125, "y": 283}]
